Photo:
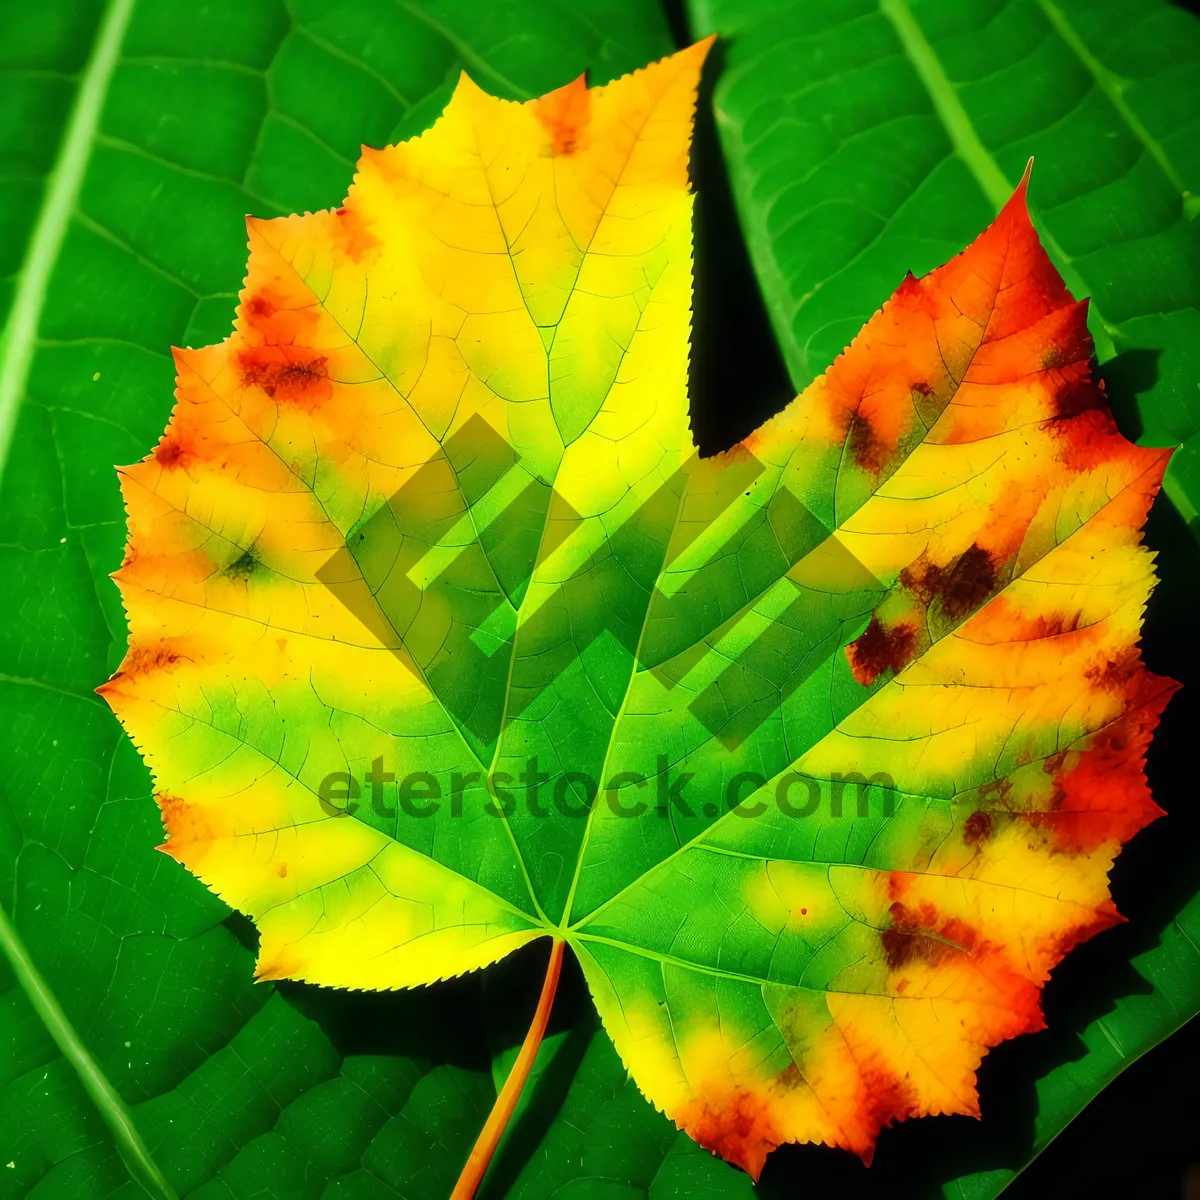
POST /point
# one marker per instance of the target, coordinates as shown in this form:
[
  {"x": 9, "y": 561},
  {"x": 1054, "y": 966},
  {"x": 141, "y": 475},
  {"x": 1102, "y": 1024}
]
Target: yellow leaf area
[{"x": 609, "y": 607}]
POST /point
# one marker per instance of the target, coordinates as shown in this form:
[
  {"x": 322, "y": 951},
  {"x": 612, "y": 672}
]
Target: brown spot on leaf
[
  {"x": 168, "y": 452},
  {"x": 259, "y": 309},
  {"x": 961, "y": 587},
  {"x": 925, "y": 401},
  {"x": 178, "y": 448},
  {"x": 1115, "y": 673},
  {"x": 1075, "y": 396},
  {"x": 1054, "y": 763},
  {"x": 789, "y": 1079},
  {"x": 142, "y": 660},
  {"x": 564, "y": 114},
  {"x": 978, "y": 828},
  {"x": 917, "y": 935},
  {"x": 1101, "y": 797},
  {"x": 244, "y": 566},
  {"x": 290, "y": 375},
  {"x": 1087, "y": 438},
  {"x": 870, "y": 451},
  {"x": 880, "y": 648},
  {"x": 353, "y": 237},
  {"x": 271, "y": 316},
  {"x": 1043, "y": 625},
  {"x": 997, "y": 791}
]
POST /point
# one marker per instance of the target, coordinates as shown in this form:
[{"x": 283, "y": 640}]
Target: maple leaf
[{"x": 442, "y": 639}]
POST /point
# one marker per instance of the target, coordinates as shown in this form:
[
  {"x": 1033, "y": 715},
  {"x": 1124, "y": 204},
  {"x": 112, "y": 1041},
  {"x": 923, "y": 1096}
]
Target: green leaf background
[{"x": 860, "y": 139}]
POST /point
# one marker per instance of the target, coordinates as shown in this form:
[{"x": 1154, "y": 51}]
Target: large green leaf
[
  {"x": 204, "y": 1083},
  {"x": 865, "y": 138},
  {"x": 207, "y": 1084}
]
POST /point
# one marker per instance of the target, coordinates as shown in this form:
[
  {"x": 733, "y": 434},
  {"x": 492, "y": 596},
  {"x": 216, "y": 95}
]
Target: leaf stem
[{"x": 510, "y": 1093}]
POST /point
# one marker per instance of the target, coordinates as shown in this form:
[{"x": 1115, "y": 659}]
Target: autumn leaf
[{"x": 815, "y": 754}]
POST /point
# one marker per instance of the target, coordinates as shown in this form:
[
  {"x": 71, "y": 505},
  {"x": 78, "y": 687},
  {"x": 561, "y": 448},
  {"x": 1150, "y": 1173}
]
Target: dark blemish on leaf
[
  {"x": 565, "y": 114},
  {"x": 789, "y": 1079},
  {"x": 244, "y": 565},
  {"x": 303, "y": 381},
  {"x": 870, "y": 453},
  {"x": 1116, "y": 673},
  {"x": 925, "y": 401},
  {"x": 978, "y": 828},
  {"x": 969, "y": 582},
  {"x": 1054, "y": 763},
  {"x": 961, "y": 588},
  {"x": 880, "y": 648},
  {"x": 173, "y": 450},
  {"x": 922, "y": 578},
  {"x": 353, "y": 236},
  {"x": 1100, "y": 792},
  {"x": 168, "y": 452},
  {"x": 144, "y": 660},
  {"x": 997, "y": 791},
  {"x": 915, "y": 936},
  {"x": 1075, "y": 396},
  {"x": 259, "y": 309},
  {"x": 1047, "y": 625},
  {"x": 1087, "y": 438},
  {"x": 900, "y": 948}
]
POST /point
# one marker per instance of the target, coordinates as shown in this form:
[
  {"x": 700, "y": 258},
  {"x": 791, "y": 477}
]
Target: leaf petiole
[{"x": 510, "y": 1093}]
